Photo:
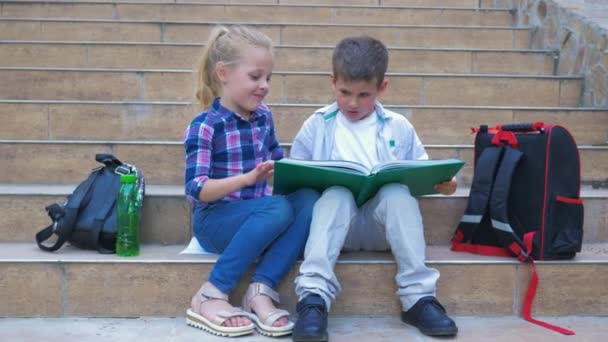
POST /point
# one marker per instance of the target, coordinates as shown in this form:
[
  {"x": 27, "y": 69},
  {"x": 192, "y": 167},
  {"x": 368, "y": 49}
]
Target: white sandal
[
  {"x": 214, "y": 325},
  {"x": 265, "y": 327}
]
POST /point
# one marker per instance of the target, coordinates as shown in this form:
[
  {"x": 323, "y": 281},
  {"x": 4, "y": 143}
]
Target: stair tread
[
  {"x": 27, "y": 252},
  {"x": 341, "y": 328},
  {"x": 255, "y": 23},
  {"x": 175, "y": 142},
  {"x": 291, "y": 72},
  {"x": 276, "y": 46},
  {"x": 313, "y": 106},
  {"x": 178, "y": 190}
]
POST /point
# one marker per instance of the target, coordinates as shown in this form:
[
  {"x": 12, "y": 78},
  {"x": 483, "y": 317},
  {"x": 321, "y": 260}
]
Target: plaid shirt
[{"x": 219, "y": 143}]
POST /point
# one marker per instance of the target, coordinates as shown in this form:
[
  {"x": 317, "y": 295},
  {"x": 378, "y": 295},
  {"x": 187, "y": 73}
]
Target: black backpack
[
  {"x": 87, "y": 219},
  {"x": 525, "y": 198}
]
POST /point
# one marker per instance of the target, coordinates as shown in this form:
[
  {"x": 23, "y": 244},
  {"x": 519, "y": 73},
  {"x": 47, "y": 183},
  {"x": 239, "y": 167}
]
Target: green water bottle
[{"x": 128, "y": 206}]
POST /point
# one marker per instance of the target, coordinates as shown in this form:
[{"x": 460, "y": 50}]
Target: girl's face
[{"x": 246, "y": 83}]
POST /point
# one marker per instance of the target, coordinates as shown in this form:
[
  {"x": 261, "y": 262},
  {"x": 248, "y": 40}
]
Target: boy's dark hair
[{"x": 360, "y": 59}]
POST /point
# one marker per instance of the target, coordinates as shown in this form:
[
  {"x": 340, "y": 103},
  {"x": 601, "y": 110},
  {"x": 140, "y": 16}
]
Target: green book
[{"x": 419, "y": 175}]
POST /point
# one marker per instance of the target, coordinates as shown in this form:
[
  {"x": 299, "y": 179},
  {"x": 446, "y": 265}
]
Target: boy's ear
[
  {"x": 382, "y": 86},
  {"x": 333, "y": 81}
]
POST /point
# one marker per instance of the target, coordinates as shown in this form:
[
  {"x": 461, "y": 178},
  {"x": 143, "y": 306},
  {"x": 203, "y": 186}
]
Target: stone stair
[{"x": 84, "y": 77}]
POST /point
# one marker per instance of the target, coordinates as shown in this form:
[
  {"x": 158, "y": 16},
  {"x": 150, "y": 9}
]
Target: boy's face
[{"x": 356, "y": 99}]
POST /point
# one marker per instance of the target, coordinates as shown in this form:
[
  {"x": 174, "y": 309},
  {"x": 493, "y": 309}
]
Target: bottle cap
[{"x": 131, "y": 178}]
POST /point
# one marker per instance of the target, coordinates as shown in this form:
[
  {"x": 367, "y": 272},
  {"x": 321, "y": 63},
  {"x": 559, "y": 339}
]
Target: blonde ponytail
[
  {"x": 208, "y": 86},
  {"x": 224, "y": 44}
]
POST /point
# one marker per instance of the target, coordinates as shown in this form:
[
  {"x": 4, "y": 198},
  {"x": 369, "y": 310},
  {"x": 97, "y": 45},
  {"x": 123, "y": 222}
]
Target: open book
[{"x": 419, "y": 175}]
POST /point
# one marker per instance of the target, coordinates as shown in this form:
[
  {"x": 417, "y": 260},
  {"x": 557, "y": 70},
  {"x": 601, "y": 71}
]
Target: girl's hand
[
  {"x": 447, "y": 188},
  {"x": 261, "y": 172}
]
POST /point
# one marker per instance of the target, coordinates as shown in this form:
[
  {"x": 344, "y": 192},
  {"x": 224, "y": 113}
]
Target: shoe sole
[
  {"x": 270, "y": 331},
  {"x": 197, "y": 321},
  {"x": 437, "y": 332}
]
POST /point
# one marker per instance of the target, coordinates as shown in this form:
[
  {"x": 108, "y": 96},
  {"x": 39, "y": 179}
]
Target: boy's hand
[
  {"x": 447, "y": 188},
  {"x": 261, "y": 172}
]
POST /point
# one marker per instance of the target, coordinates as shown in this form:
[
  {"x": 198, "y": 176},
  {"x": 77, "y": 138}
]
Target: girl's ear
[{"x": 221, "y": 71}]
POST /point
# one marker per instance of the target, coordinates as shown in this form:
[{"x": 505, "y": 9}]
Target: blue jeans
[{"x": 273, "y": 228}]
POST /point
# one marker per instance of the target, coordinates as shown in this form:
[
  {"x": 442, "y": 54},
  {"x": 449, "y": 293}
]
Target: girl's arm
[
  {"x": 218, "y": 188},
  {"x": 274, "y": 148}
]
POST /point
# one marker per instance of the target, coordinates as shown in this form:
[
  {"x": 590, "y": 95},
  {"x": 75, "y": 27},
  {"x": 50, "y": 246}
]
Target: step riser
[
  {"x": 415, "y": 3},
  {"x": 286, "y": 59},
  {"x": 403, "y": 89},
  {"x": 164, "y": 164},
  {"x": 158, "y": 289},
  {"x": 286, "y": 35},
  {"x": 166, "y": 220},
  {"x": 167, "y": 122},
  {"x": 259, "y": 14}
]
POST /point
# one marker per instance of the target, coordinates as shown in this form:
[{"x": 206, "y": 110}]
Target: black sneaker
[
  {"x": 430, "y": 318},
  {"x": 311, "y": 325}
]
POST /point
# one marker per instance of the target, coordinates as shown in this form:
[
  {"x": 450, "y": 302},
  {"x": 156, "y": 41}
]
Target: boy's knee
[
  {"x": 395, "y": 190},
  {"x": 338, "y": 193},
  {"x": 399, "y": 194}
]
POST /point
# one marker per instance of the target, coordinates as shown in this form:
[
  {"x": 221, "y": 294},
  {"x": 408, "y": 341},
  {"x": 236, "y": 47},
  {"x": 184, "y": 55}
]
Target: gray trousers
[{"x": 389, "y": 221}]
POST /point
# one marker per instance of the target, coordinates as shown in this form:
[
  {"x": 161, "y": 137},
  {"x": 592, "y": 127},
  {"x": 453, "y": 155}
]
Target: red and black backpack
[{"x": 525, "y": 198}]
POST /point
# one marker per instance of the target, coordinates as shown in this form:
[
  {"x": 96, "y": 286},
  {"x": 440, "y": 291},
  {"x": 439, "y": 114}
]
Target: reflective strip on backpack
[
  {"x": 505, "y": 227},
  {"x": 471, "y": 218}
]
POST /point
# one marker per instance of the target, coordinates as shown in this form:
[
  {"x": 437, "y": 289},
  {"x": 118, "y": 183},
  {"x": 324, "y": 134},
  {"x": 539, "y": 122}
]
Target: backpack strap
[
  {"x": 499, "y": 202},
  {"x": 64, "y": 217},
  {"x": 102, "y": 208},
  {"x": 477, "y": 207},
  {"x": 531, "y": 292},
  {"x": 114, "y": 164}
]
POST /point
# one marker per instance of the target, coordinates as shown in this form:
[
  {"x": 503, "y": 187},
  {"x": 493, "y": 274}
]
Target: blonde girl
[{"x": 230, "y": 151}]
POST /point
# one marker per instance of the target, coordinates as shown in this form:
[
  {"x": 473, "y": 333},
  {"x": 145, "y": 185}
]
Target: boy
[{"x": 356, "y": 127}]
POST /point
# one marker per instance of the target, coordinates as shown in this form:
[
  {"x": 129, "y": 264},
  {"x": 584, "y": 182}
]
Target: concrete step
[
  {"x": 65, "y": 162},
  {"x": 341, "y": 14},
  {"x": 290, "y": 87},
  {"x": 483, "y": 4},
  {"x": 166, "y": 213},
  {"x": 281, "y": 33},
  {"x": 287, "y": 58},
  {"x": 69, "y": 120},
  {"x": 341, "y": 329},
  {"x": 160, "y": 282}
]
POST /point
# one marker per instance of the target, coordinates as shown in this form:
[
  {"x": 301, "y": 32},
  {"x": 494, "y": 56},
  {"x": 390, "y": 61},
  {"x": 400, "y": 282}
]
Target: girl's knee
[
  {"x": 308, "y": 195},
  {"x": 279, "y": 210},
  {"x": 304, "y": 199}
]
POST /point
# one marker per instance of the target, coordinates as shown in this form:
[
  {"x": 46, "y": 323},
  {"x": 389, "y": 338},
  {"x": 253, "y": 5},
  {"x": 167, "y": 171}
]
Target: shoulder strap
[
  {"x": 499, "y": 201},
  {"x": 64, "y": 217},
  {"x": 479, "y": 197}
]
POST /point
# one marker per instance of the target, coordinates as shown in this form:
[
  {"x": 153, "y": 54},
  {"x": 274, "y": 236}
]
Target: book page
[
  {"x": 407, "y": 164},
  {"x": 335, "y": 164}
]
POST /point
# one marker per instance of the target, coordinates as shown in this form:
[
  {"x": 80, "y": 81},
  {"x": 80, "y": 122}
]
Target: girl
[{"x": 230, "y": 150}]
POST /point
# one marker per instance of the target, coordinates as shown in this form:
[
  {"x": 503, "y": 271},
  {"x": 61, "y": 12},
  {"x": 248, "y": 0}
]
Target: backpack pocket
[{"x": 568, "y": 226}]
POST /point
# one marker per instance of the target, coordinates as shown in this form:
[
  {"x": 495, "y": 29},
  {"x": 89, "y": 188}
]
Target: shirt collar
[
  {"x": 332, "y": 110},
  {"x": 223, "y": 111}
]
